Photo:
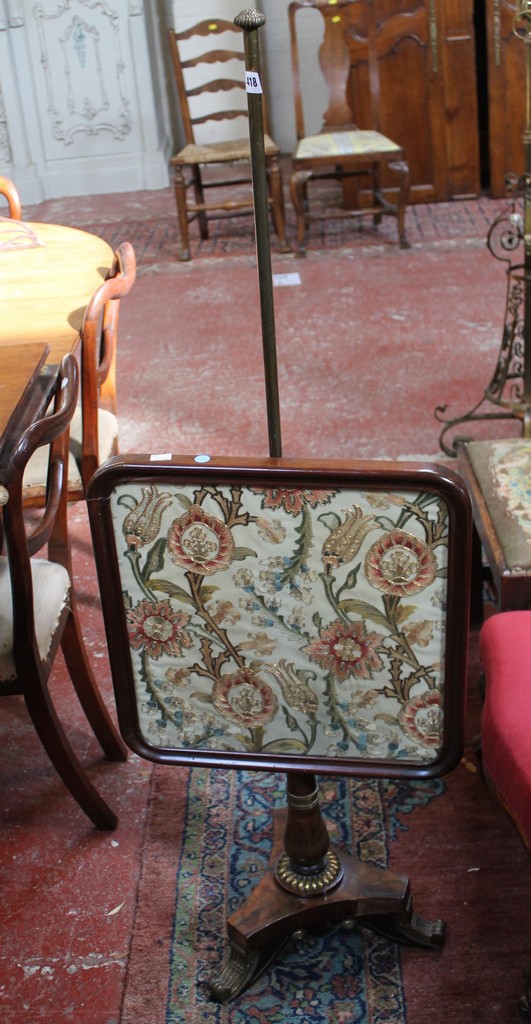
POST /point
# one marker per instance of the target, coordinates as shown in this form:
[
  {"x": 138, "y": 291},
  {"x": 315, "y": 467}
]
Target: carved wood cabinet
[
  {"x": 506, "y": 94},
  {"x": 413, "y": 77}
]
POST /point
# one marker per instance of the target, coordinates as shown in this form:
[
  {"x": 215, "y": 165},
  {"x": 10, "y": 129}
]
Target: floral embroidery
[
  {"x": 345, "y": 541},
  {"x": 309, "y": 633},
  {"x": 142, "y": 524},
  {"x": 400, "y": 564},
  {"x": 158, "y": 629},
  {"x": 347, "y": 650},
  {"x": 422, "y": 718},
  {"x": 200, "y": 543},
  {"x": 291, "y": 500},
  {"x": 245, "y": 699}
]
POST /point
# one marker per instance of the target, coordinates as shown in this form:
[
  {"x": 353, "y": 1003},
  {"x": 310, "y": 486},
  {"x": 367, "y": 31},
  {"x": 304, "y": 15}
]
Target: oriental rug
[{"x": 207, "y": 842}]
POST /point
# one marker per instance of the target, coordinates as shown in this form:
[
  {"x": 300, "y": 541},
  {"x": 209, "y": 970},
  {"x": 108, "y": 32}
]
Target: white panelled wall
[{"x": 87, "y": 103}]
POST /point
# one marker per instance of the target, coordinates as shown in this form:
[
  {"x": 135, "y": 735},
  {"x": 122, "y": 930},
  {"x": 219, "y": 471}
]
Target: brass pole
[{"x": 250, "y": 21}]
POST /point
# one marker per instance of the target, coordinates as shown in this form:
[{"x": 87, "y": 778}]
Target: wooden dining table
[
  {"x": 48, "y": 274},
  {"x": 27, "y": 381}
]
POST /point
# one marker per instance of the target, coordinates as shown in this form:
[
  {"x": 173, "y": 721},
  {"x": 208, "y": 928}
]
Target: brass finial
[{"x": 249, "y": 19}]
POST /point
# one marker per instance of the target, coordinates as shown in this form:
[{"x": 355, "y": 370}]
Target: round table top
[{"x": 48, "y": 274}]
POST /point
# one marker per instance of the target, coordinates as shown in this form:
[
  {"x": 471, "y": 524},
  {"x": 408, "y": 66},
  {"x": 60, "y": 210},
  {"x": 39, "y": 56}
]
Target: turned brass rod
[{"x": 250, "y": 22}]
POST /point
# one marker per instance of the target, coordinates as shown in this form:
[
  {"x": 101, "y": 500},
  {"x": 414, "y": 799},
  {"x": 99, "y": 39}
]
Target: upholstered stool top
[
  {"x": 503, "y": 472},
  {"x": 353, "y": 143}
]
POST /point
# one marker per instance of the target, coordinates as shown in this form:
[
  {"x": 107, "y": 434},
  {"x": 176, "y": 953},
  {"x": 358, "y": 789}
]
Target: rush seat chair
[
  {"x": 210, "y": 82},
  {"x": 297, "y": 617}
]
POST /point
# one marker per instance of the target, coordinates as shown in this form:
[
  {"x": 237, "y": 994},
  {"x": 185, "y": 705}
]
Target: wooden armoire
[{"x": 446, "y": 80}]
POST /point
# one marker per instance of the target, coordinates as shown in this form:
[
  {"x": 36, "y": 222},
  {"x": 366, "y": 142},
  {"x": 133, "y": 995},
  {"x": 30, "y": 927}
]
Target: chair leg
[
  {"x": 277, "y": 202},
  {"x": 200, "y": 201},
  {"x": 89, "y": 696},
  {"x": 63, "y": 758},
  {"x": 402, "y": 169},
  {"x": 182, "y": 213},
  {"x": 299, "y": 197}
]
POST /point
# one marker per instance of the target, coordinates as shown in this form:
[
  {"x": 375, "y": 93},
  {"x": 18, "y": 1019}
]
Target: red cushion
[{"x": 505, "y": 651}]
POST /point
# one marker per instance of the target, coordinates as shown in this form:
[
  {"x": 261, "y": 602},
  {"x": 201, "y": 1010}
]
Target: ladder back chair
[
  {"x": 201, "y": 88},
  {"x": 94, "y": 428},
  {"x": 38, "y": 608},
  {"x": 295, "y": 617},
  {"x": 355, "y": 157}
]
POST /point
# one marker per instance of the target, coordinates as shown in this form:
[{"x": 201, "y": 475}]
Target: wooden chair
[
  {"x": 341, "y": 151},
  {"x": 283, "y": 616},
  {"x": 94, "y": 429},
  {"x": 197, "y": 91},
  {"x": 8, "y": 190},
  {"x": 38, "y": 603}
]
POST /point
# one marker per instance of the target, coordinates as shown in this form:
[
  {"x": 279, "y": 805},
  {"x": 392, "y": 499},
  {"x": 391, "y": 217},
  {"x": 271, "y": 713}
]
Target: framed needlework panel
[{"x": 283, "y": 615}]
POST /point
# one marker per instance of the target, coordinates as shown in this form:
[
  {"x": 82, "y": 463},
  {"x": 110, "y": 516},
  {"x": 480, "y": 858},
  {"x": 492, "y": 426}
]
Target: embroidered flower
[
  {"x": 154, "y": 626},
  {"x": 245, "y": 699},
  {"x": 292, "y": 500},
  {"x": 345, "y": 541},
  {"x": 400, "y": 564},
  {"x": 422, "y": 718},
  {"x": 260, "y": 643},
  {"x": 142, "y": 524},
  {"x": 177, "y": 676},
  {"x": 346, "y": 650},
  {"x": 200, "y": 542}
]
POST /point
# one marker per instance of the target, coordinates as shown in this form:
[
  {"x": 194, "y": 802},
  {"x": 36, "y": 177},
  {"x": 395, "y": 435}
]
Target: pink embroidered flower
[
  {"x": 245, "y": 699},
  {"x": 200, "y": 542},
  {"x": 346, "y": 649},
  {"x": 400, "y": 564},
  {"x": 422, "y": 718},
  {"x": 292, "y": 500},
  {"x": 154, "y": 626}
]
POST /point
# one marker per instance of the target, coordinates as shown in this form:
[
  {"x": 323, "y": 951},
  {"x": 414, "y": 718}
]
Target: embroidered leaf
[
  {"x": 284, "y": 746},
  {"x": 302, "y": 549},
  {"x": 172, "y": 590},
  {"x": 364, "y": 610},
  {"x": 154, "y": 559},
  {"x": 204, "y": 697},
  {"x": 184, "y": 500},
  {"x": 241, "y": 553},
  {"x": 404, "y": 612}
]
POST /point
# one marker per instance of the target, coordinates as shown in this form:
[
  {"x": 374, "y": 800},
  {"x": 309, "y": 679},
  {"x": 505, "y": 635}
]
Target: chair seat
[
  {"x": 505, "y": 651},
  {"x": 352, "y": 143},
  {"x": 221, "y": 152},
  {"x": 35, "y": 475},
  {"x": 503, "y": 472},
  {"x": 51, "y": 588}
]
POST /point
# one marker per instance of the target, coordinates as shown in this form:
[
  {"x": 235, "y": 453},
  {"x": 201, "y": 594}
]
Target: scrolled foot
[
  {"x": 241, "y": 969},
  {"x": 407, "y": 928}
]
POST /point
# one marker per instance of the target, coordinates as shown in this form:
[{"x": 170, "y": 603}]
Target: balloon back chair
[
  {"x": 38, "y": 608},
  {"x": 358, "y": 158},
  {"x": 8, "y": 190},
  {"x": 215, "y": 48},
  {"x": 296, "y": 617},
  {"x": 94, "y": 428}
]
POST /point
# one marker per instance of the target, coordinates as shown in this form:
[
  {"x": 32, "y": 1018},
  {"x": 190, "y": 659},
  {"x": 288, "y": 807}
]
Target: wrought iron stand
[{"x": 509, "y": 390}]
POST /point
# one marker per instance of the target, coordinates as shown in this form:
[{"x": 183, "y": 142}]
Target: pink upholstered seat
[{"x": 505, "y": 650}]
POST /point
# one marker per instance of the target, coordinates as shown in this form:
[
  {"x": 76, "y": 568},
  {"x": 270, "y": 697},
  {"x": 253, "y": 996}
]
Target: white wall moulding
[{"x": 82, "y": 103}]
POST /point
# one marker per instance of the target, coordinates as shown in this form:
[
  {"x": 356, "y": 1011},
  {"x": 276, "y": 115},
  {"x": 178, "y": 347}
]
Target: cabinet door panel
[{"x": 507, "y": 94}]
